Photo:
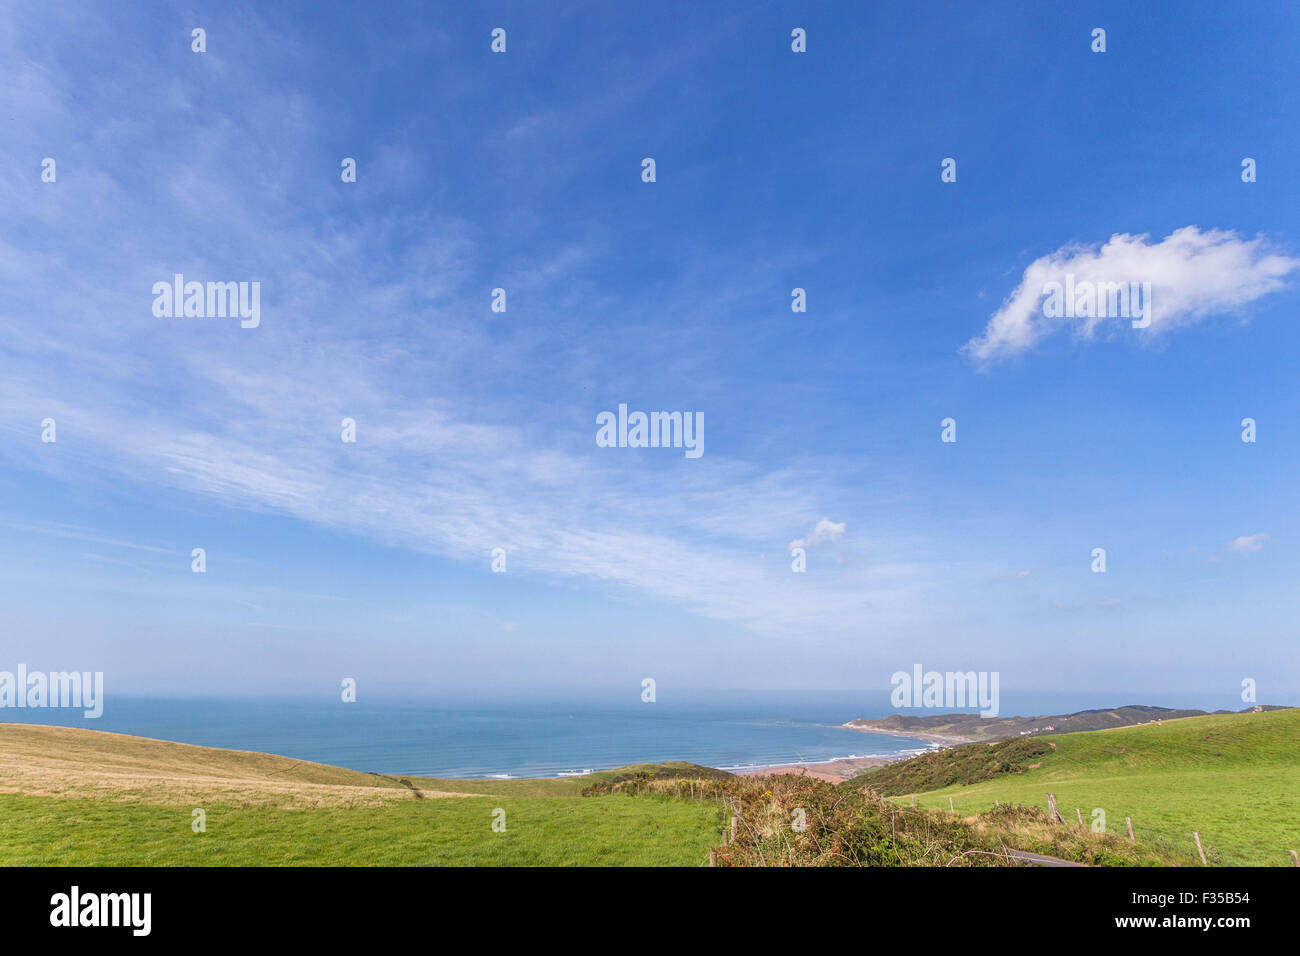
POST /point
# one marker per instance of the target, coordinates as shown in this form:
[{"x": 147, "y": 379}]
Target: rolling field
[
  {"x": 77, "y": 797},
  {"x": 1234, "y": 778},
  {"x": 540, "y": 831}
]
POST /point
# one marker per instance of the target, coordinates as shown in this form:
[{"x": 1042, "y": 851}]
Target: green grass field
[
  {"x": 1233, "y": 778},
  {"x": 540, "y": 831},
  {"x": 77, "y": 797}
]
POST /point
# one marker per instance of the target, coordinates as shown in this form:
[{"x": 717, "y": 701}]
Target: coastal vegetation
[
  {"x": 79, "y": 797},
  {"x": 791, "y": 820},
  {"x": 957, "y": 765},
  {"x": 1232, "y": 778}
]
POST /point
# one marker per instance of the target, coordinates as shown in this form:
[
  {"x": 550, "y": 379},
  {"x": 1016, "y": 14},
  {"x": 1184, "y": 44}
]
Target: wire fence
[
  {"x": 1182, "y": 844},
  {"x": 1215, "y": 852}
]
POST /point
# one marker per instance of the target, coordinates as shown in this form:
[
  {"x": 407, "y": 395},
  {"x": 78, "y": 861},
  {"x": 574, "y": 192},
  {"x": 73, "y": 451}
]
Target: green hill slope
[
  {"x": 75, "y": 797},
  {"x": 1233, "y": 778}
]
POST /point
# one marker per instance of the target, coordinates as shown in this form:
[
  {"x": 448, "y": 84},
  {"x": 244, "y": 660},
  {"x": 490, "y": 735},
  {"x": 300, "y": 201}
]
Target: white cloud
[
  {"x": 1248, "y": 542},
  {"x": 825, "y": 530},
  {"x": 1193, "y": 274}
]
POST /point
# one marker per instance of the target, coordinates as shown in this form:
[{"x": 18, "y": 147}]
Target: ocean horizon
[
  {"x": 509, "y": 739},
  {"x": 423, "y": 739}
]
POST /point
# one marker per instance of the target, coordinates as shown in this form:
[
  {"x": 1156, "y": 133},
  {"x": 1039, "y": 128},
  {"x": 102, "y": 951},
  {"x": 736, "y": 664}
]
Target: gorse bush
[
  {"x": 943, "y": 768},
  {"x": 793, "y": 820}
]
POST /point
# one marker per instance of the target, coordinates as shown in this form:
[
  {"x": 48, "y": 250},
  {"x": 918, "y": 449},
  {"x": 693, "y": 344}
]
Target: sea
[
  {"x": 495, "y": 739},
  {"x": 509, "y": 737}
]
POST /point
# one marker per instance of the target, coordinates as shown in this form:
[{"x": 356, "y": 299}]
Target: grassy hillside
[
  {"x": 78, "y": 797},
  {"x": 1234, "y": 778},
  {"x": 71, "y": 762},
  {"x": 540, "y": 831},
  {"x": 83, "y": 797},
  {"x": 972, "y": 763}
]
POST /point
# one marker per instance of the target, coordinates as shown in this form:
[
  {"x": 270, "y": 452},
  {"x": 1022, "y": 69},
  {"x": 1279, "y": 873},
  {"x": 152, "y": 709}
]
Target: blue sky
[{"x": 476, "y": 430}]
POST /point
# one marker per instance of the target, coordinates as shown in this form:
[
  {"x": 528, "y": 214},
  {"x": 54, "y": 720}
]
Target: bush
[
  {"x": 790, "y": 820},
  {"x": 943, "y": 768}
]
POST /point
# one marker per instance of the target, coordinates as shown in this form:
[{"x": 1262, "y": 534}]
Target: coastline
[
  {"x": 832, "y": 771},
  {"x": 846, "y": 768},
  {"x": 839, "y": 769},
  {"x": 942, "y": 740},
  {"x": 841, "y": 760}
]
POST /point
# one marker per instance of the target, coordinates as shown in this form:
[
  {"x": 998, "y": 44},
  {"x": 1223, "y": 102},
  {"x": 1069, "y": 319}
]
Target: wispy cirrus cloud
[
  {"x": 379, "y": 315},
  {"x": 1193, "y": 274}
]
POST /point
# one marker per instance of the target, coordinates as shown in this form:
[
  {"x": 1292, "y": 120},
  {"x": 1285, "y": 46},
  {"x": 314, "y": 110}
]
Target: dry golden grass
[{"x": 72, "y": 762}]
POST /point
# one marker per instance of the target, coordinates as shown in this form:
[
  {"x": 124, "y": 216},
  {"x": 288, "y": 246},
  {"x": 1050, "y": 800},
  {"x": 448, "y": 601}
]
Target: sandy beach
[
  {"x": 833, "y": 771},
  {"x": 943, "y": 740},
  {"x": 846, "y": 768}
]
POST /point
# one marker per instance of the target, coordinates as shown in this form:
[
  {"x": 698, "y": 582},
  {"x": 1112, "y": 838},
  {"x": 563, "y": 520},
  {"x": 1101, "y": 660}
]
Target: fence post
[
  {"x": 1131, "y": 837},
  {"x": 1197, "y": 836},
  {"x": 951, "y": 808},
  {"x": 1079, "y": 813},
  {"x": 1295, "y": 860},
  {"x": 1053, "y": 814},
  {"x": 713, "y": 858},
  {"x": 734, "y": 822}
]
